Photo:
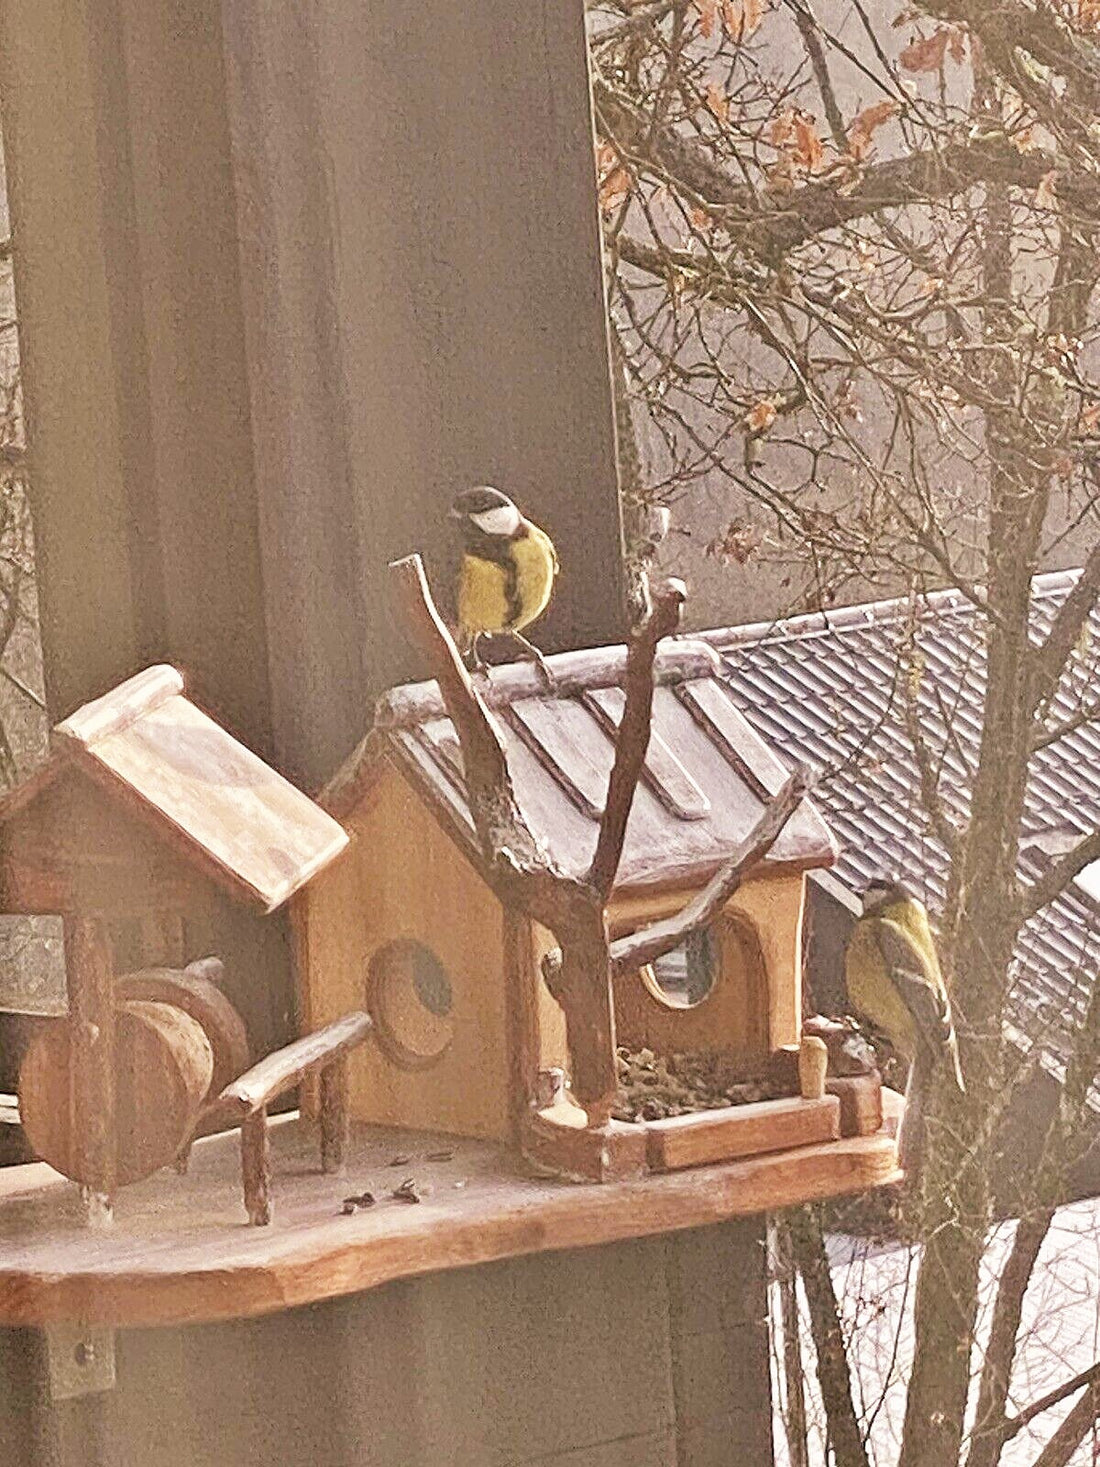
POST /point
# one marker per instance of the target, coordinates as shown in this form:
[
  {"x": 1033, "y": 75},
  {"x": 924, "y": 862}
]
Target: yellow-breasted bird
[
  {"x": 506, "y": 577},
  {"x": 894, "y": 979}
]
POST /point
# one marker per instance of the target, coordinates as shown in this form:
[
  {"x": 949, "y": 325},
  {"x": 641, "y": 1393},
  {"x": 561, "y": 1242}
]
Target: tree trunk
[{"x": 981, "y": 930}]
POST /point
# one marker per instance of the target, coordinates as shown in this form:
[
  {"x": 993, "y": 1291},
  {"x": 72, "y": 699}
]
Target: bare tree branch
[
  {"x": 633, "y": 951},
  {"x": 1059, "y": 874},
  {"x": 1050, "y": 657},
  {"x": 1073, "y": 1429},
  {"x": 832, "y": 1362},
  {"x": 632, "y": 740}
]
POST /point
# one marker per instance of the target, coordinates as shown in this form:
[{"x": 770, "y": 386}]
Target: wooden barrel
[
  {"x": 164, "y": 1065},
  {"x": 196, "y": 995}
]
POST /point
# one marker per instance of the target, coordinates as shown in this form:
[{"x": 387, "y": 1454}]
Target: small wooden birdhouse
[
  {"x": 407, "y": 927},
  {"x": 144, "y": 811}
]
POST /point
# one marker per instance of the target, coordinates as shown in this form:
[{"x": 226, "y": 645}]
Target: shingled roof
[
  {"x": 706, "y": 778},
  {"x": 825, "y": 689}
]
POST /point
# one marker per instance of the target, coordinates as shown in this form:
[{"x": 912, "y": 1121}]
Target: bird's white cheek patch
[{"x": 504, "y": 520}]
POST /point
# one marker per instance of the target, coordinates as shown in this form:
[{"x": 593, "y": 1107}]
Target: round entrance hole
[
  {"x": 410, "y": 1000},
  {"x": 686, "y": 976}
]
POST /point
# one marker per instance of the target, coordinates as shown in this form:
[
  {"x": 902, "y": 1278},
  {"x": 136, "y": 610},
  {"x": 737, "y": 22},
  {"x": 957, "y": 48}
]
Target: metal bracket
[{"x": 81, "y": 1360}]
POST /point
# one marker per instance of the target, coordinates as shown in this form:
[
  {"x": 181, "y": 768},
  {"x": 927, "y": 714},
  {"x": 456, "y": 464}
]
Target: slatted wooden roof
[
  {"x": 707, "y": 774},
  {"x": 170, "y": 768}
]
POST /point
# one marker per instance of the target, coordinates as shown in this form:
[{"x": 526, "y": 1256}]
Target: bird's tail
[
  {"x": 931, "y": 1011},
  {"x": 912, "y": 1131}
]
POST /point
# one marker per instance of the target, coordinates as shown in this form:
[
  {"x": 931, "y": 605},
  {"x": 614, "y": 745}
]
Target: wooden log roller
[
  {"x": 180, "y": 1056},
  {"x": 164, "y": 1063}
]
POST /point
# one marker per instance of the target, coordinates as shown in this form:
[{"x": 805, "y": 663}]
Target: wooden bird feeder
[
  {"x": 145, "y": 809},
  {"x": 474, "y": 1035}
]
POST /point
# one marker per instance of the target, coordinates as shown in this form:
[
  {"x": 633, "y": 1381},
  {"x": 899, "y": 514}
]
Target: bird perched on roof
[
  {"x": 507, "y": 572},
  {"x": 894, "y": 979}
]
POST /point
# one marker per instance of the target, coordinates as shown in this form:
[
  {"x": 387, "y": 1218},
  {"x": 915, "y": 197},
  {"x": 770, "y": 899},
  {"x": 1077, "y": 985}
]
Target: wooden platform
[{"x": 181, "y": 1252}]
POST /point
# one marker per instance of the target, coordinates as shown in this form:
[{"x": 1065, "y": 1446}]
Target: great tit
[
  {"x": 894, "y": 979},
  {"x": 507, "y": 572}
]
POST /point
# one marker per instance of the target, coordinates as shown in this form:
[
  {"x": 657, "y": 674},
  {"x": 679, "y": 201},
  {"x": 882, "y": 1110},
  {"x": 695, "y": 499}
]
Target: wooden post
[
  {"x": 813, "y": 1063},
  {"x": 256, "y": 1168},
  {"x": 92, "y": 1059},
  {"x": 334, "y": 1116}
]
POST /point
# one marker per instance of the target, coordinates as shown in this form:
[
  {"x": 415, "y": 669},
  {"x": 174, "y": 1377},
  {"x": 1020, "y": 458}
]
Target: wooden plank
[
  {"x": 421, "y": 888},
  {"x": 614, "y": 1152},
  {"x": 860, "y": 1096},
  {"x": 178, "y": 1252},
  {"x": 663, "y": 772},
  {"x": 741, "y": 1130},
  {"x": 570, "y": 745},
  {"x": 574, "y": 673},
  {"x": 114, "y": 712}
]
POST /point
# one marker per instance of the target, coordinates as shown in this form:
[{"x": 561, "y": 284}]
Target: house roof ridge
[{"x": 945, "y": 599}]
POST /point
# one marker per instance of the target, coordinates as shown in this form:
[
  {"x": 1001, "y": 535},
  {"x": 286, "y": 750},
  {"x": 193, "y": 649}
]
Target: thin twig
[{"x": 632, "y": 952}]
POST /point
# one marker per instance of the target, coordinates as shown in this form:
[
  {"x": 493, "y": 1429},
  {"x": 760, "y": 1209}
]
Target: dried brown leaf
[
  {"x": 808, "y": 149},
  {"x": 1046, "y": 196},
  {"x": 742, "y": 17},
  {"x": 761, "y": 415},
  {"x": 861, "y": 132},
  {"x": 718, "y": 102},
  {"x": 926, "y": 53},
  {"x": 708, "y": 15}
]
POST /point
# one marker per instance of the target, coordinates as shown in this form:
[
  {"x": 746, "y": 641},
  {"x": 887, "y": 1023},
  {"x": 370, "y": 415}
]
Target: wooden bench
[{"x": 245, "y": 1101}]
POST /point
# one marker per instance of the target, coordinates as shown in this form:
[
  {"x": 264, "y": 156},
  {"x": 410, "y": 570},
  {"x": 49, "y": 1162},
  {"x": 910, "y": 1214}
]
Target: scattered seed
[
  {"x": 399, "y": 1160},
  {"x": 438, "y": 1155},
  {"x": 350, "y": 1204},
  {"x": 407, "y": 1192}
]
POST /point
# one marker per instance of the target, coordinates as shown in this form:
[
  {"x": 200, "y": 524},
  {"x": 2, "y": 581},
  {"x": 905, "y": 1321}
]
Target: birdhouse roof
[
  {"x": 707, "y": 774},
  {"x": 221, "y": 807}
]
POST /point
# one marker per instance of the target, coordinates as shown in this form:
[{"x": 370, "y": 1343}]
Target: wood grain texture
[
  {"x": 163, "y": 1064},
  {"x": 264, "y": 837},
  {"x": 762, "y": 957},
  {"x": 860, "y": 1096},
  {"x": 419, "y": 887},
  {"x": 81, "y": 1095},
  {"x": 197, "y": 996},
  {"x": 256, "y": 1168},
  {"x": 179, "y": 1253},
  {"x": 574, "y": 673},
  {"x": 732, "y": 1018},
  {"x": 613, "y": 1152},
  {"x": 741, "y": 1130},
  {"x": 281, "y": 1071},
  {"x": 335, "y": 1123}
]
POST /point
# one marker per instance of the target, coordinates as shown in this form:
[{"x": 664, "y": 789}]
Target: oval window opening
[
  {"x": 686, "y": 976},
  {"x": 410, "y": 1000}
]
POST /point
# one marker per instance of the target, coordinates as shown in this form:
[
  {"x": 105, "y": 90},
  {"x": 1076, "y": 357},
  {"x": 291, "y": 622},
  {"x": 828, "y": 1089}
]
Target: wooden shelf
[{"x": 181, "y": 1252}]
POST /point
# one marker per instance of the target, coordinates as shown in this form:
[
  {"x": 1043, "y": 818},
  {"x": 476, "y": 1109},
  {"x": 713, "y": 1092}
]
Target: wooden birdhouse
[
  {"x": 145, "y": 810},
  {"x": 469, "y": 1038}
]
